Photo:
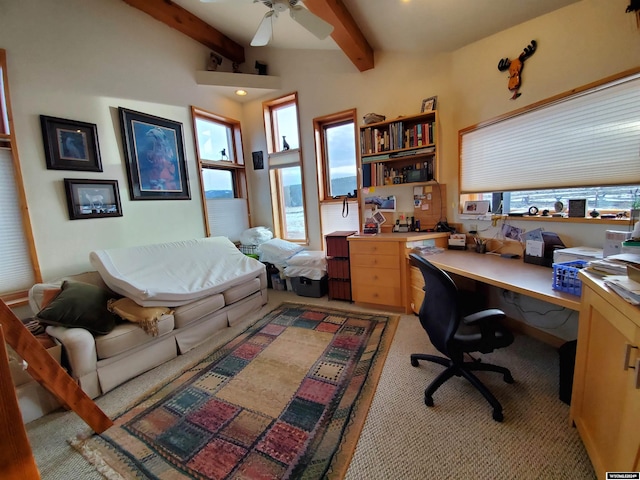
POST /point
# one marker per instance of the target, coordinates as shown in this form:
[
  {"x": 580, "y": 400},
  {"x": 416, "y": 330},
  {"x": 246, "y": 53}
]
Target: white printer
[{"x": 572, "y": 254}]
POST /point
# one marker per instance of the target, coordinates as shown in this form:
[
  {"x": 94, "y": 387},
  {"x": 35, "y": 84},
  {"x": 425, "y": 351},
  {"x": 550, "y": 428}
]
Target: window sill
[{"x": 540, "y": 218}]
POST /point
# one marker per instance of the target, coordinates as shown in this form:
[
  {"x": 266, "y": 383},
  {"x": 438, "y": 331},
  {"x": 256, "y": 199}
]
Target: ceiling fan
[{"x": 301, "y": 15}]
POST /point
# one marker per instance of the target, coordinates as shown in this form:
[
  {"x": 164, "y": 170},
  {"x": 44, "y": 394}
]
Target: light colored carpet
[{"x": 402, "y": 438}]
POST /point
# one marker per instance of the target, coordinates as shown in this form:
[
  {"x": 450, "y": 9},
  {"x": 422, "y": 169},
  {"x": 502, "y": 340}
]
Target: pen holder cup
[{"x": 481, "y": 248}]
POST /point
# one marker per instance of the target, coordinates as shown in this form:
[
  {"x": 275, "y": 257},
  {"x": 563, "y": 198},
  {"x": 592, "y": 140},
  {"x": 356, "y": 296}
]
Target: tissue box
[{"x": 457, "y": 241}]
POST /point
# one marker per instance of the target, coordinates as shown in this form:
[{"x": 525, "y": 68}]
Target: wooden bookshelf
[{"x": 400, "y": 151}]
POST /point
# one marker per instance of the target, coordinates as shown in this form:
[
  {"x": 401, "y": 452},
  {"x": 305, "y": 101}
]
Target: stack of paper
[
  {"x": 625, "y": 287},
  {"x": 614, "y": 264}
]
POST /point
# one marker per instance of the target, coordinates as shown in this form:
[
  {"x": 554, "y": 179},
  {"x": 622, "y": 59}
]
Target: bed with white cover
[
  {"x": 292, "y": 260},
  {"x": 206, "y": 286}
]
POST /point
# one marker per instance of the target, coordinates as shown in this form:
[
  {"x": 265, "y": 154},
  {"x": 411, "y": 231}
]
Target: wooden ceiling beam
[
  {"x": 185, "y": 22},
  {"x": 346, "y": 32}
]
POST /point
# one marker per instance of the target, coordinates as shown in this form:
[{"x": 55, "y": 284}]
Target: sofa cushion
[
  {"x": 186, "y": 314},
  {"x": 80, "y": 305},
  {"x": 233, "y": 294},
  {"x": 146, "y": 317},
  {"x": 127, "y": 336}
]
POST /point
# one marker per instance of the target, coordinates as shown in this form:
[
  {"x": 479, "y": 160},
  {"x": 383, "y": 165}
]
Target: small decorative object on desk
[{"x": 373, "y": 118}]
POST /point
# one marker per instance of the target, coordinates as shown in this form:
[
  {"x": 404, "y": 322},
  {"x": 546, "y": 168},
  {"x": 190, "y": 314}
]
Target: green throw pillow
[{"x": 80, "y": 305}]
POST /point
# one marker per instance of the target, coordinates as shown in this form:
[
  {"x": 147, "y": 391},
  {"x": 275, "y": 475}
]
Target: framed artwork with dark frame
[
  {"x": 92, "y": 198},
  {"x": 154, "y": 154},
  {"x": 70, "y": 144},
  {"x": 429, "y": 104}
]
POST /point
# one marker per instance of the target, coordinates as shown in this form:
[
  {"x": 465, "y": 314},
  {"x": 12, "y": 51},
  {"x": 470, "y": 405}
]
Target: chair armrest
[
  {"x": 80, "y": 348},
  {"x": 490, "y": 315}
]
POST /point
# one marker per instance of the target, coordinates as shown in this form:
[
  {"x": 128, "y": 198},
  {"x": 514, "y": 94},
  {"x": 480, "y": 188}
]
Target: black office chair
[{"x": 454, "y": 334}]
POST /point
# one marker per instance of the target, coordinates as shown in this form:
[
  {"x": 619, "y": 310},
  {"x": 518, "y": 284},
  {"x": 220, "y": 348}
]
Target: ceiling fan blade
[
  {"x": 311, "y": 22},
  {"x": 264, "y": 32}
]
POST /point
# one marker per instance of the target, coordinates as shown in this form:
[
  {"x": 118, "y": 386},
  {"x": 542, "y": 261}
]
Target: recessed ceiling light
[{"x": 241, "y": 93}]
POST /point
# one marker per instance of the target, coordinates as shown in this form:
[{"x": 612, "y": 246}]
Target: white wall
[{"x": 82, "y": 59}]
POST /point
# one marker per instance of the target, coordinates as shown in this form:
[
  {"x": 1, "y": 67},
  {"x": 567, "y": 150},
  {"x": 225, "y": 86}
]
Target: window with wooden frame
[
  {"x": 583, "y": 144},
  {"x": 285, "y": 168},
  {"x": 18, "y": 259},
  {"x": 335, "y": 142},
  {"x": 223, "y": 184}
]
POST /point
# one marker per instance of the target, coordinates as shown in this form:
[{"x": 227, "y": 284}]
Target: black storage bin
[
  {"x": 271, "y": 269},
  {"x": 567, "y": 352},
  {"x": 305, "y": 287}
]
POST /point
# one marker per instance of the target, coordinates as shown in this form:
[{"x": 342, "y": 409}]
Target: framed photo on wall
[
  {"x": 70, "y": 144},
  {"x": 92, "y": 198},
  {"x": 154, "y": 155}
]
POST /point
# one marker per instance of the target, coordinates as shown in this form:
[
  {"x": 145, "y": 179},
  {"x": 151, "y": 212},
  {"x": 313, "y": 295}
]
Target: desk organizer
[{"x": 565, "y": 276}]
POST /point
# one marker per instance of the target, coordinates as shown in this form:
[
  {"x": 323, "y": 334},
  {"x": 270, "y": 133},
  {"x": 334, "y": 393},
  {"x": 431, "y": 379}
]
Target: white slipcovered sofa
[{"x": 202, "y": 285}]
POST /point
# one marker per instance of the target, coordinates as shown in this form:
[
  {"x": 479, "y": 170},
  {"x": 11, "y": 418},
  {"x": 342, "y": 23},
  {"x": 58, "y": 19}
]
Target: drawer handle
[{"x": 627, "y": 357}]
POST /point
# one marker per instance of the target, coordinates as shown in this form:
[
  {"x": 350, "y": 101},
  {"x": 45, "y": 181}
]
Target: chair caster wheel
[
  {"x": 428, "y": 401},
  {"x": 497, "y": 416},
  {"x": 414, "y": 362},
  {"x": 508, "y": 378}
]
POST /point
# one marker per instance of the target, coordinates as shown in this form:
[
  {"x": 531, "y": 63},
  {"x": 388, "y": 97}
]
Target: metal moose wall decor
[{"x": 515, "y": 67}]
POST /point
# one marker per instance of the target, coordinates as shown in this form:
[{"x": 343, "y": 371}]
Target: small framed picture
[
  {"x": 92, "y": 198},
  {"x": 429, "y": 104},
  {"x": 70, "y": 145}
]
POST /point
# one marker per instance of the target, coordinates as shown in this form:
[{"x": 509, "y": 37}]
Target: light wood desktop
[{"x": 509, "y": 273}]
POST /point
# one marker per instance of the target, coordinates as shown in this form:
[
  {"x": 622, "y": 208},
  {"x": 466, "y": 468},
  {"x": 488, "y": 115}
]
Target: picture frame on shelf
[
  {"x": 87, "y": 198},
  {"x": 429, "y": 104},
  {"x": 70, "y": 144},
  {"x": 154, "y": 155}
]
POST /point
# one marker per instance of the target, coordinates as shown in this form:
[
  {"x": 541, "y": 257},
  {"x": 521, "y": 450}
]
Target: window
[
  {"x": 18, "y": 260},
  {"x": 605, "y": 200},
  {"x": 285, "y": 168},
  {"x": 222, "y": 177},
  {"x": 335, "y": 138},
  {"x": 579, "y": 145}
]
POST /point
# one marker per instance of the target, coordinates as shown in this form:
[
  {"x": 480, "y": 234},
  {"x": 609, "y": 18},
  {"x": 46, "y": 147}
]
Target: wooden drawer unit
[
  {"x": 376, "y": 273},
  {"x": 380, "y": 267},
  {"x": 338, "y": 269}
]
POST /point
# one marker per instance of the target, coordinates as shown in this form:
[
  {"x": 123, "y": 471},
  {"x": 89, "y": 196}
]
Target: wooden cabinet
[
  {"x": 605, "y": 405},
  {"x": 338, "y": 268},
  {"x": 379, "y": 267},
  {"x": 400, "y": 151}
]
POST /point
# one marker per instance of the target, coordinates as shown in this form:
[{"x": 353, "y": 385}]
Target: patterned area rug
[{"x": 285, "y": 399}]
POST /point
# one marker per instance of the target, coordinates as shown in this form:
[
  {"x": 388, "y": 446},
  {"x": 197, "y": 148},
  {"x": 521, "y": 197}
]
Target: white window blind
[
  {"x": 228, "y": 217},
  {"x": 589, "y": 139},
  {"x": 288, "y": 158},
  {"x": 331, "y": 215},
  {"x": 15, "y": 262}
]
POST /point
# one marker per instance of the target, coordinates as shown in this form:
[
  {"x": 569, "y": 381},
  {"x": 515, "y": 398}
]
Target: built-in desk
[{"x": 508, "y": 273}]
